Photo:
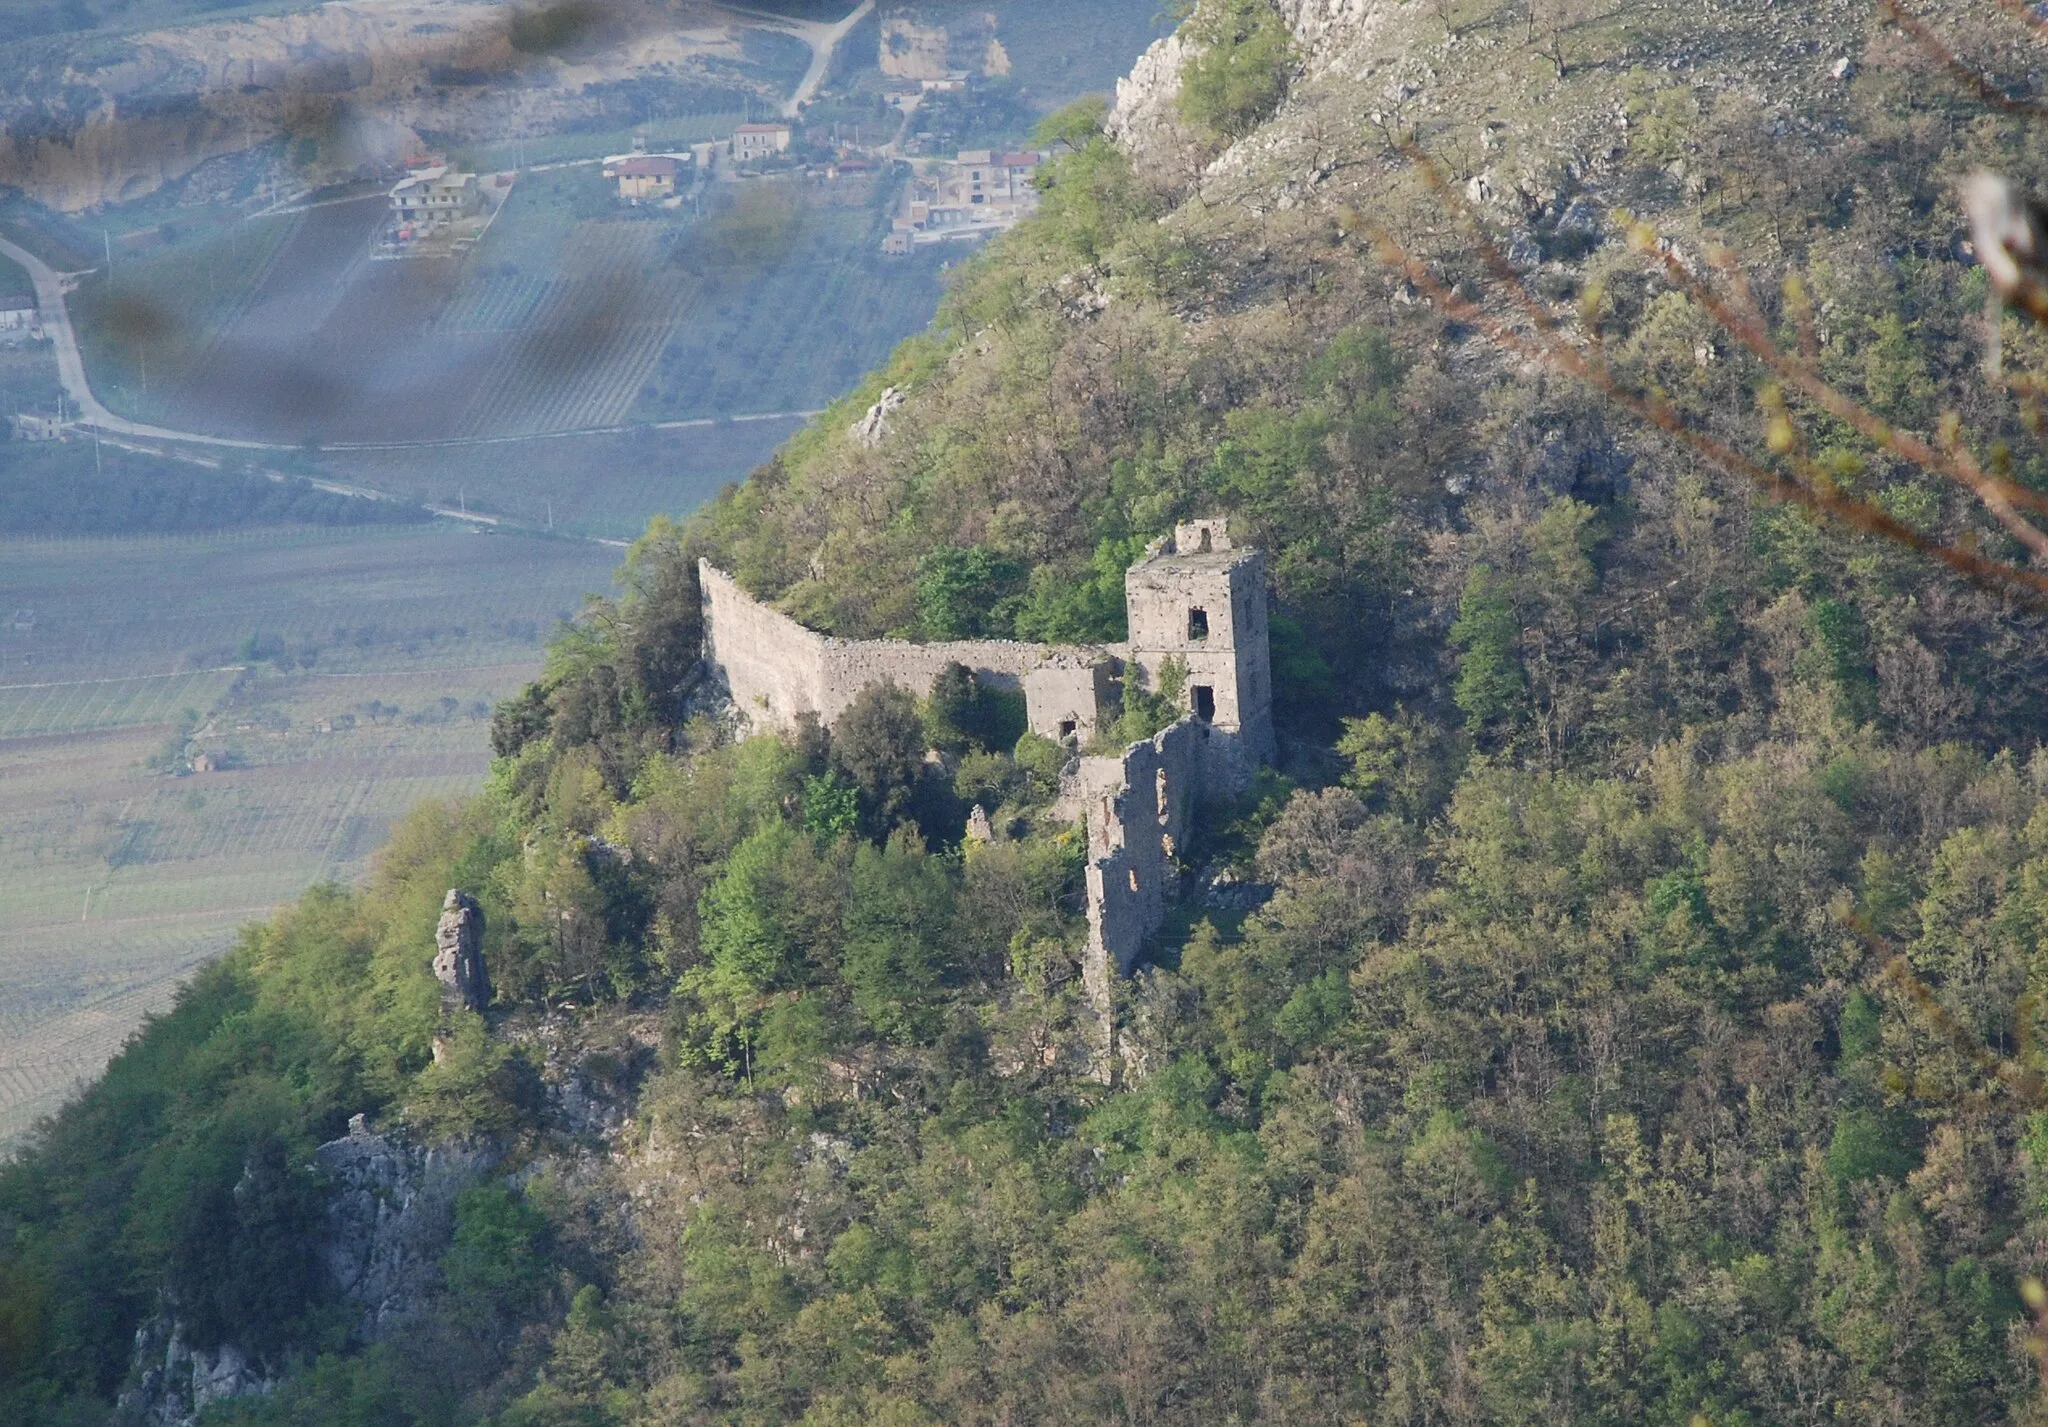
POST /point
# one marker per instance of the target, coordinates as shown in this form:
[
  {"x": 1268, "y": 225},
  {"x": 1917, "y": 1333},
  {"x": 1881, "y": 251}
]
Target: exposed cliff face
[
  {"x": 391, "y": 1209},
  {"x": 390, "y": 1216},
  {"x": 176, "y": 1382}
]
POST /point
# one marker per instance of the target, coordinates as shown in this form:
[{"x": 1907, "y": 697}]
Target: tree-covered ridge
[
  {"x": 1195, "y": 324},
  {"x": 1527, "y": 1096},
  {"x": 1621, "y": 1007}
]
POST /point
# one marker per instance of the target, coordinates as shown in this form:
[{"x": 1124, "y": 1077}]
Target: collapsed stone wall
[
  {"x": 1137, "y": 806},
  {"x": 775, "y": 669},
  {"x": 1137, "y": 809}
]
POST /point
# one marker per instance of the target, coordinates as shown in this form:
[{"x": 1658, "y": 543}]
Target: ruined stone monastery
[{"x": 1193, "y": 597}]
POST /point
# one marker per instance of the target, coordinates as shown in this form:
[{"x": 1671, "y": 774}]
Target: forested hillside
[{"x": 1620, "y": 1005}]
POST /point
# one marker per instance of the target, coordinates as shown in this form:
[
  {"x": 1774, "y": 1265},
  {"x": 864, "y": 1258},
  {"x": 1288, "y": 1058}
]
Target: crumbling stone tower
[{"x": 1196, "y": 599}]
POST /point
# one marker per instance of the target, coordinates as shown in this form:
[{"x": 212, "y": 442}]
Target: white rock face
[
  {"x": 870, "y": 430},
  {"x": 1146, "y": 97}
]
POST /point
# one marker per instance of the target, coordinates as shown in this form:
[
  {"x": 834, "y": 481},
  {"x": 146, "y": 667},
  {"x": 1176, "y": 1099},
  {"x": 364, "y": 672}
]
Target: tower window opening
[
  {"x": 1204, "y": 702},
  {"x": 1198, "y": 625},
  {"x": 1205, "y": 539},
  {"x": 1067, "y": 727},
  {"x": 1134, "y": 879}
]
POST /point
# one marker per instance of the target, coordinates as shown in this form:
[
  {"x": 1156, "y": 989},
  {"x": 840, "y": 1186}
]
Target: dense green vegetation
[{"x": 1624, "y": 1005}]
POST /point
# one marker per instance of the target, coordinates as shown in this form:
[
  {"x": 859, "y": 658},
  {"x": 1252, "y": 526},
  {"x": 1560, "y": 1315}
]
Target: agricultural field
[
  {"x": 325, "y": 680},
  {"x": 571, "y": 315},
  {"x": 794, "y": 305},
  {"x": 28, "y": 378},
  {"x": 603, "y": 484},
  {"x": 580, "y": 356}
]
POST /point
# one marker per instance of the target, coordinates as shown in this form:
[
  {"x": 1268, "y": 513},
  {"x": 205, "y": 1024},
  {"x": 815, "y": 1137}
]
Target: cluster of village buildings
[
  {"x": 969, "y": 196},
  {"x": 20, "y": 321}
]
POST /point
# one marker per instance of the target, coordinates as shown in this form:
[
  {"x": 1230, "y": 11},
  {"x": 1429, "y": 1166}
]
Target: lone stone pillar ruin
[{"x": 459, "y": 954}]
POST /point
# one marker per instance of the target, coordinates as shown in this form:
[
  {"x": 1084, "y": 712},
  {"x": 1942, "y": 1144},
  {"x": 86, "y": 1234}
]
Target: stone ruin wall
[
  {"x": 773, "y": 666},
  {"x": 776, "y": 669},
  {"x": 1138, "y": 810},
  {"x": 1137, "y": 807}
]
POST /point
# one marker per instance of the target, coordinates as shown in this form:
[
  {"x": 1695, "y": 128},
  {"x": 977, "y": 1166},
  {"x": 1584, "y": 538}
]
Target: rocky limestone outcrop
[
  {"x": 1146, "y": 116},
  {"x": 175, "y": 1381},
  {"x": 459, "y": 954},
  {"x": 390, "y": 1217},
  {"x": 390, "y": 1214},
  {"x": 870, "y": 430}
]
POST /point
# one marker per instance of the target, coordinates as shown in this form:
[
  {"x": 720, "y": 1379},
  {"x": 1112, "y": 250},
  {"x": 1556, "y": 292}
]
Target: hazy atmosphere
[
  {"x": 997, "y": 712},
  {"x": 318, "y": 500}
]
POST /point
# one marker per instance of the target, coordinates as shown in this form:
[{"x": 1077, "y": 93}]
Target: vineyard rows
[
  {"x": 78, "y": 706},
  {"x": 66, "y": 1006},
  {"x": 587, "y": 349},
  {"x": 491, "y": 304}
]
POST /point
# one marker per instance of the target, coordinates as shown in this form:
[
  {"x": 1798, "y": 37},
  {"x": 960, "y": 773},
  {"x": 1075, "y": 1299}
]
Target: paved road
[
  {"x": 824, "y": 42},
  {"x": 56, "y": 320}
]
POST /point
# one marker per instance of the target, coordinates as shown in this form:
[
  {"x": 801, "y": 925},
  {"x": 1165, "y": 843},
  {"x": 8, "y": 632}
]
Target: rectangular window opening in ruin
[
  {"x": 1134, "y": 879},
  {"x": 1198, "y": 625},
  {"x": 1067, "y": 727},
  {"x": 1159, "y": 795},
  {"x": 1204, "y": 702},
  {"x": 1205, "y": 539}
]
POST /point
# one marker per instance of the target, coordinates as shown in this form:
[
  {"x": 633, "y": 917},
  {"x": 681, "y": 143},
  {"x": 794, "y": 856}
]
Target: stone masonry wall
[
  {"x": 1137, "y": 806},
  {"x": 1137, "y": 810},
  {"x": 776, "y": 669}
]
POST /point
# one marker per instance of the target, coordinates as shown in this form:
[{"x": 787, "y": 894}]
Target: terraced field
[
  {"x": 583, "y": 354},
  {"x": 118, "y": 878}
]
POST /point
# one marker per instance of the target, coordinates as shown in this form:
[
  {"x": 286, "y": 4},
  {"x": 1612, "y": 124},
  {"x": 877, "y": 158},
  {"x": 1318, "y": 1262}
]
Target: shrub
[{"x": 1241, "y": 74}]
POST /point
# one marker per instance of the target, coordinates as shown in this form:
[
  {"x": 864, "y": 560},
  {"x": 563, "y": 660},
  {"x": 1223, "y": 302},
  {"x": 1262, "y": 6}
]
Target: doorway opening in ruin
[
  {"x": 1204, "y": 702},
  {"x": 1198, "y": 625},
  {"x": 1205, "y": 540}
]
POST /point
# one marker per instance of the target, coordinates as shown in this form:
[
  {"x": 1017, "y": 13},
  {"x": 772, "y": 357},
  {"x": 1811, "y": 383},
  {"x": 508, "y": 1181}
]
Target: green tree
[
  {"x": 878, "y": 747},
  {"x": 1490, "y": 679},
  {"x": 967, "y": 593},
  {"x": 1241, "y": 73},
  {"x": 965, "y": 714},
  {"x": 897, "y": 936}
]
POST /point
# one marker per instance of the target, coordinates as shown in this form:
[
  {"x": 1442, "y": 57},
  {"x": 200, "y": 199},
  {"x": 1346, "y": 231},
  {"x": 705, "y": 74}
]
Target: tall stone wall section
[
  {"x": 775, "y": 669},
  {"x": 1137, "y": 810}
]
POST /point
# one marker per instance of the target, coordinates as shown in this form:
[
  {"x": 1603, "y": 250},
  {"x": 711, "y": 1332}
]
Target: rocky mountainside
[{"x": 1619, "y": 1006}]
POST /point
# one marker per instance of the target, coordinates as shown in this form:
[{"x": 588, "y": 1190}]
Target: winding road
[
  {"x": 824, "y": 42},
  {"x": 51, "y": 287},
  {"x": 56, "y": 319}
]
